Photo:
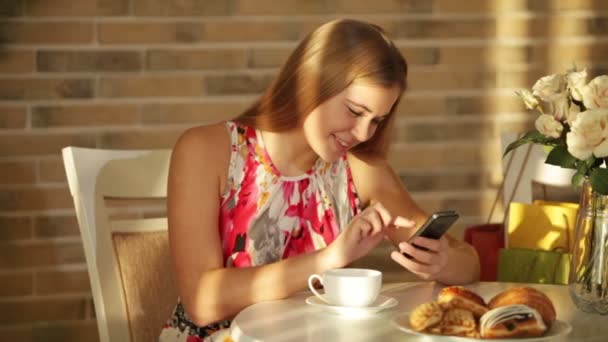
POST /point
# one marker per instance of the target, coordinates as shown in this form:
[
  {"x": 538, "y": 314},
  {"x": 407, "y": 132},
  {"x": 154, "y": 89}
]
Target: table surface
[{"x": 292, "y": 319}]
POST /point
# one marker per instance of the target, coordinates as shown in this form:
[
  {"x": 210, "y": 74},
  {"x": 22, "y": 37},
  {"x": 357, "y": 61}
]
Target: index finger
[
  {"x": 383, "y": 212},
  {"x": 403, "y": 222}
]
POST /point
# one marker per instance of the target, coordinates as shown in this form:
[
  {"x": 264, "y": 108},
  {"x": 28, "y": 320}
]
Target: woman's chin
[{"x": 331, "y": 156}]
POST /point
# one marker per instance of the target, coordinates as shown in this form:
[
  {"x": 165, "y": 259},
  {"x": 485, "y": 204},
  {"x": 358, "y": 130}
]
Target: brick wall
[{"x": 136, "y": 73}]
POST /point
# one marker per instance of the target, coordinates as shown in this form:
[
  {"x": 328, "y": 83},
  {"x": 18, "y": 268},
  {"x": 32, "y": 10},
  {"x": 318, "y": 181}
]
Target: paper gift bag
[
  {"x": 487, "y": 239},
  {"x": 524, "y": 265},
  {"x": 544, "y": 225}
]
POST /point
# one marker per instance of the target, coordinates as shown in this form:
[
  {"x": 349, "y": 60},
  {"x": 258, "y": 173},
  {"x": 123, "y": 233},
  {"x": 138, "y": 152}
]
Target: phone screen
[{"x": 435, "y": 226}]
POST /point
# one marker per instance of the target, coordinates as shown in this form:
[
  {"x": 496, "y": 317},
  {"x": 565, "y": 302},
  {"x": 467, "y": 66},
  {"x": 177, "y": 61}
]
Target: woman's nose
[{"x": 362, "y": 130}]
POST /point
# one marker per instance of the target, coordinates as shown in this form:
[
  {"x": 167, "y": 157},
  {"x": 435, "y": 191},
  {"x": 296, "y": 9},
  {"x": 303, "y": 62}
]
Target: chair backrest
[
  {"x": 530, "y": 178},
  {"x": 128, "y": 259}
]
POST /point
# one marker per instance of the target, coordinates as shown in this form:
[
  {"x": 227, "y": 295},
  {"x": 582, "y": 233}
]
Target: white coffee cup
[{"x": 355, "y": 287}]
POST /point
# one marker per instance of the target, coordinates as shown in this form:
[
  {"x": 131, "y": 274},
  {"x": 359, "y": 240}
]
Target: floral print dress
[{"x": 266, "y": 217}]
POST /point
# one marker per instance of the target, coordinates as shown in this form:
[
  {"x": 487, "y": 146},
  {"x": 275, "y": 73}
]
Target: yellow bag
[{"x": 542, "y": 225}]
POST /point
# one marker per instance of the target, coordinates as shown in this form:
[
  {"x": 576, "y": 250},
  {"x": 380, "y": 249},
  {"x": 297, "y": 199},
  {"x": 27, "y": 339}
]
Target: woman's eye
[
  {"x": 354, "y": 112},
  {"x": 379, "y": 120}
]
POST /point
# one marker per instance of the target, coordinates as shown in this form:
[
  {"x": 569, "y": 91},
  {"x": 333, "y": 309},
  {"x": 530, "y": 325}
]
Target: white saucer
[{"x": 381, "y": 303}]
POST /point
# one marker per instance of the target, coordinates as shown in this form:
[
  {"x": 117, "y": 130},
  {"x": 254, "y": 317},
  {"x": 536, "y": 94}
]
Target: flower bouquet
[{"x": 573, "y": 123}]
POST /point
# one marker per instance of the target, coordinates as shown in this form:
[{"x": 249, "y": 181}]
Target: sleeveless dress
[{"x": 266, "y": 217}]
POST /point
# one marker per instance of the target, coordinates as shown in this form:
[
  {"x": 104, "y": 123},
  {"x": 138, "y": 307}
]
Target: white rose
[
  {"x": 548, "y": 126},
  {"x": 576, "y": 82},
  {"x": 572, "y": 114},
  {"x": 560, "y": 108},
  {"x": 530, "y": 101},
  {"x": 595, "y": 94},
  {"x": 589, "y": 134},
  {"x": 550, "y": 88}
]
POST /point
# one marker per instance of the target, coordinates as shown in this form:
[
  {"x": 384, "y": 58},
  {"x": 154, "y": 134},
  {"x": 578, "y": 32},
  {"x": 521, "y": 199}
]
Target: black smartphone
[{"x": 435, "y": 226}]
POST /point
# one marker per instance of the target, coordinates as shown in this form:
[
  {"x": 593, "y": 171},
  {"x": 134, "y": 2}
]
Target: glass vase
[{"x": 588, "y": 283}]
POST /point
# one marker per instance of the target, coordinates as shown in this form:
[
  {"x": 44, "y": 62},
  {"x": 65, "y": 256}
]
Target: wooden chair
[
  {"x": 128, "y": 260},
  {"x": 529, "y": 178}
]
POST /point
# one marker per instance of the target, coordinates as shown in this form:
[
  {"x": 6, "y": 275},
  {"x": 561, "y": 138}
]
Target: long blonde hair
[{"x": 325, "y": 63}]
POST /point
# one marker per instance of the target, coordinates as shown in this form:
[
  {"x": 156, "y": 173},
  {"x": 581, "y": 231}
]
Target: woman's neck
[{"x": 289, "y": 152}]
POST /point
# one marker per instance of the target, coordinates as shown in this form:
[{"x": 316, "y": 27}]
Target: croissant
[
  {"x": 462, "y": 298},
  {"x": 527, "y": 296}
]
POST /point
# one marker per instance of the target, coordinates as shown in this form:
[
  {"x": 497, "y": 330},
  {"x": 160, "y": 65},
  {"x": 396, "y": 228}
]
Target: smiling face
[{"x": 348, "y": 119}]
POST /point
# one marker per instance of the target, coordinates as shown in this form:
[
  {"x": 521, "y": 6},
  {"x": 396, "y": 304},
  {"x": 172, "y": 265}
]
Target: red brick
[
  {"x": 81, "y": 61},
  {"x": 64, "y": 8},
  {"x": 217, "y": 31},
  {"x": 57, "y": 282},
  {"x": 11, "y": 8},
  {"x": 38, "y": 254},
  {"x": 12, "y": 145},
  {"x": 45, "y": 88},
  {"x": 268, "y": 57},
  {"x": 182, "y": 7},
  {"x": 195, "y": 113},
  {"x": 152, "y": 86},
  {"x": 55, "y": 226},
  {"x": 420, "y": 55},
  {"x": 149, "y": 32},
  {"x": 13, "y": 117},
  {"x": 16, "y": 284},
  {"x": 412, "y": 105},
  {"x": 17, "y": 172},
  {"x": 430, "y": 79},
  {"x": 444, "y": 131},
  {"x": 90, "y": 115},
  {"x": 484, "y": 55},
  {"x": 238, "y": 84},
  {"x": 51, "y": 171},
  {"x": 383, "y": 6},
  {"x": 486, "y": 104},
  {"x": 294, "y": 7},
  {"x": 27, "y": 311},
  {"x": 17, "y": 61},
  {"x": 408, "y": 156},
  {"x": 45, "y": 33},
  {"x": 140, "y": 139},
  {"x": 19, "y": 199},
  {"x": 187, "y": 59},
  {"x": 13, "y": 228}
]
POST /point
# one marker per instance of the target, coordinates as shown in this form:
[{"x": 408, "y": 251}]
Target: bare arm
[
  {"x": 208, "y": 291},
  {"x": 448, "y": 260}
]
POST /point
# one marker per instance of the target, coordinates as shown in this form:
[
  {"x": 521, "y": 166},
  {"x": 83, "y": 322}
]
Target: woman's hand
[
  {"x": 426, "y": 264},
  {"x": 362, "y": 234}
]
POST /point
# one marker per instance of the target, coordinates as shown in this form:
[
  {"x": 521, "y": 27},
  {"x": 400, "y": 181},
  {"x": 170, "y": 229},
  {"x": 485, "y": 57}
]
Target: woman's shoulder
[
  {"x": 208, "y": 137},
  {"x": 203, "y": 144}
]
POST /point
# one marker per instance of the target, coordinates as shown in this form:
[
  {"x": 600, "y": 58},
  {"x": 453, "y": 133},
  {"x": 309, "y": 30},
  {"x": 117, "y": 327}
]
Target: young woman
[{"x": 298, "y": 184}]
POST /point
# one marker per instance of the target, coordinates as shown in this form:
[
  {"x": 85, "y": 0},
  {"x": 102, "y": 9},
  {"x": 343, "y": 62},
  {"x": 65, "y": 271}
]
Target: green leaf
[
  {"x": 561, "y": 157},
  {"x": 577, "y": 179},
  {"x": 535, "y": 137},
  {"x": 590, "y": 161},
  {"x": 599, "y": 180}
]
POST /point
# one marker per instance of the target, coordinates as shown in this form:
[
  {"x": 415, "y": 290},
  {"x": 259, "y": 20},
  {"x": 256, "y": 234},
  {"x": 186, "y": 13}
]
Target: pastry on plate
[
  {"x": 511, "y": 321},
  {"x": 461, "y": 298},
  {"x": 527, "y": 296},
  {"x": 425, "y": 316},
  {"x": 458, "y": 322}
]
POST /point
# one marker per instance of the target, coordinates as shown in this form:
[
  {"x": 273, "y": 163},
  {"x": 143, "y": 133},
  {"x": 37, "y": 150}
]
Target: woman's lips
[{"x": 342, "y": 145}]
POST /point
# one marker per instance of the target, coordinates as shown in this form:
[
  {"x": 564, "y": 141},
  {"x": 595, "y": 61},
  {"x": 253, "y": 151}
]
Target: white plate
[
  {"x": 381, "y": 303},
  {"x": 559, "y": 328}
]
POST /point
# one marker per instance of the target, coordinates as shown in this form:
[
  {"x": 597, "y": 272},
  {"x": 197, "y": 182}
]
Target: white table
[{"x": 293, "y": 320}]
